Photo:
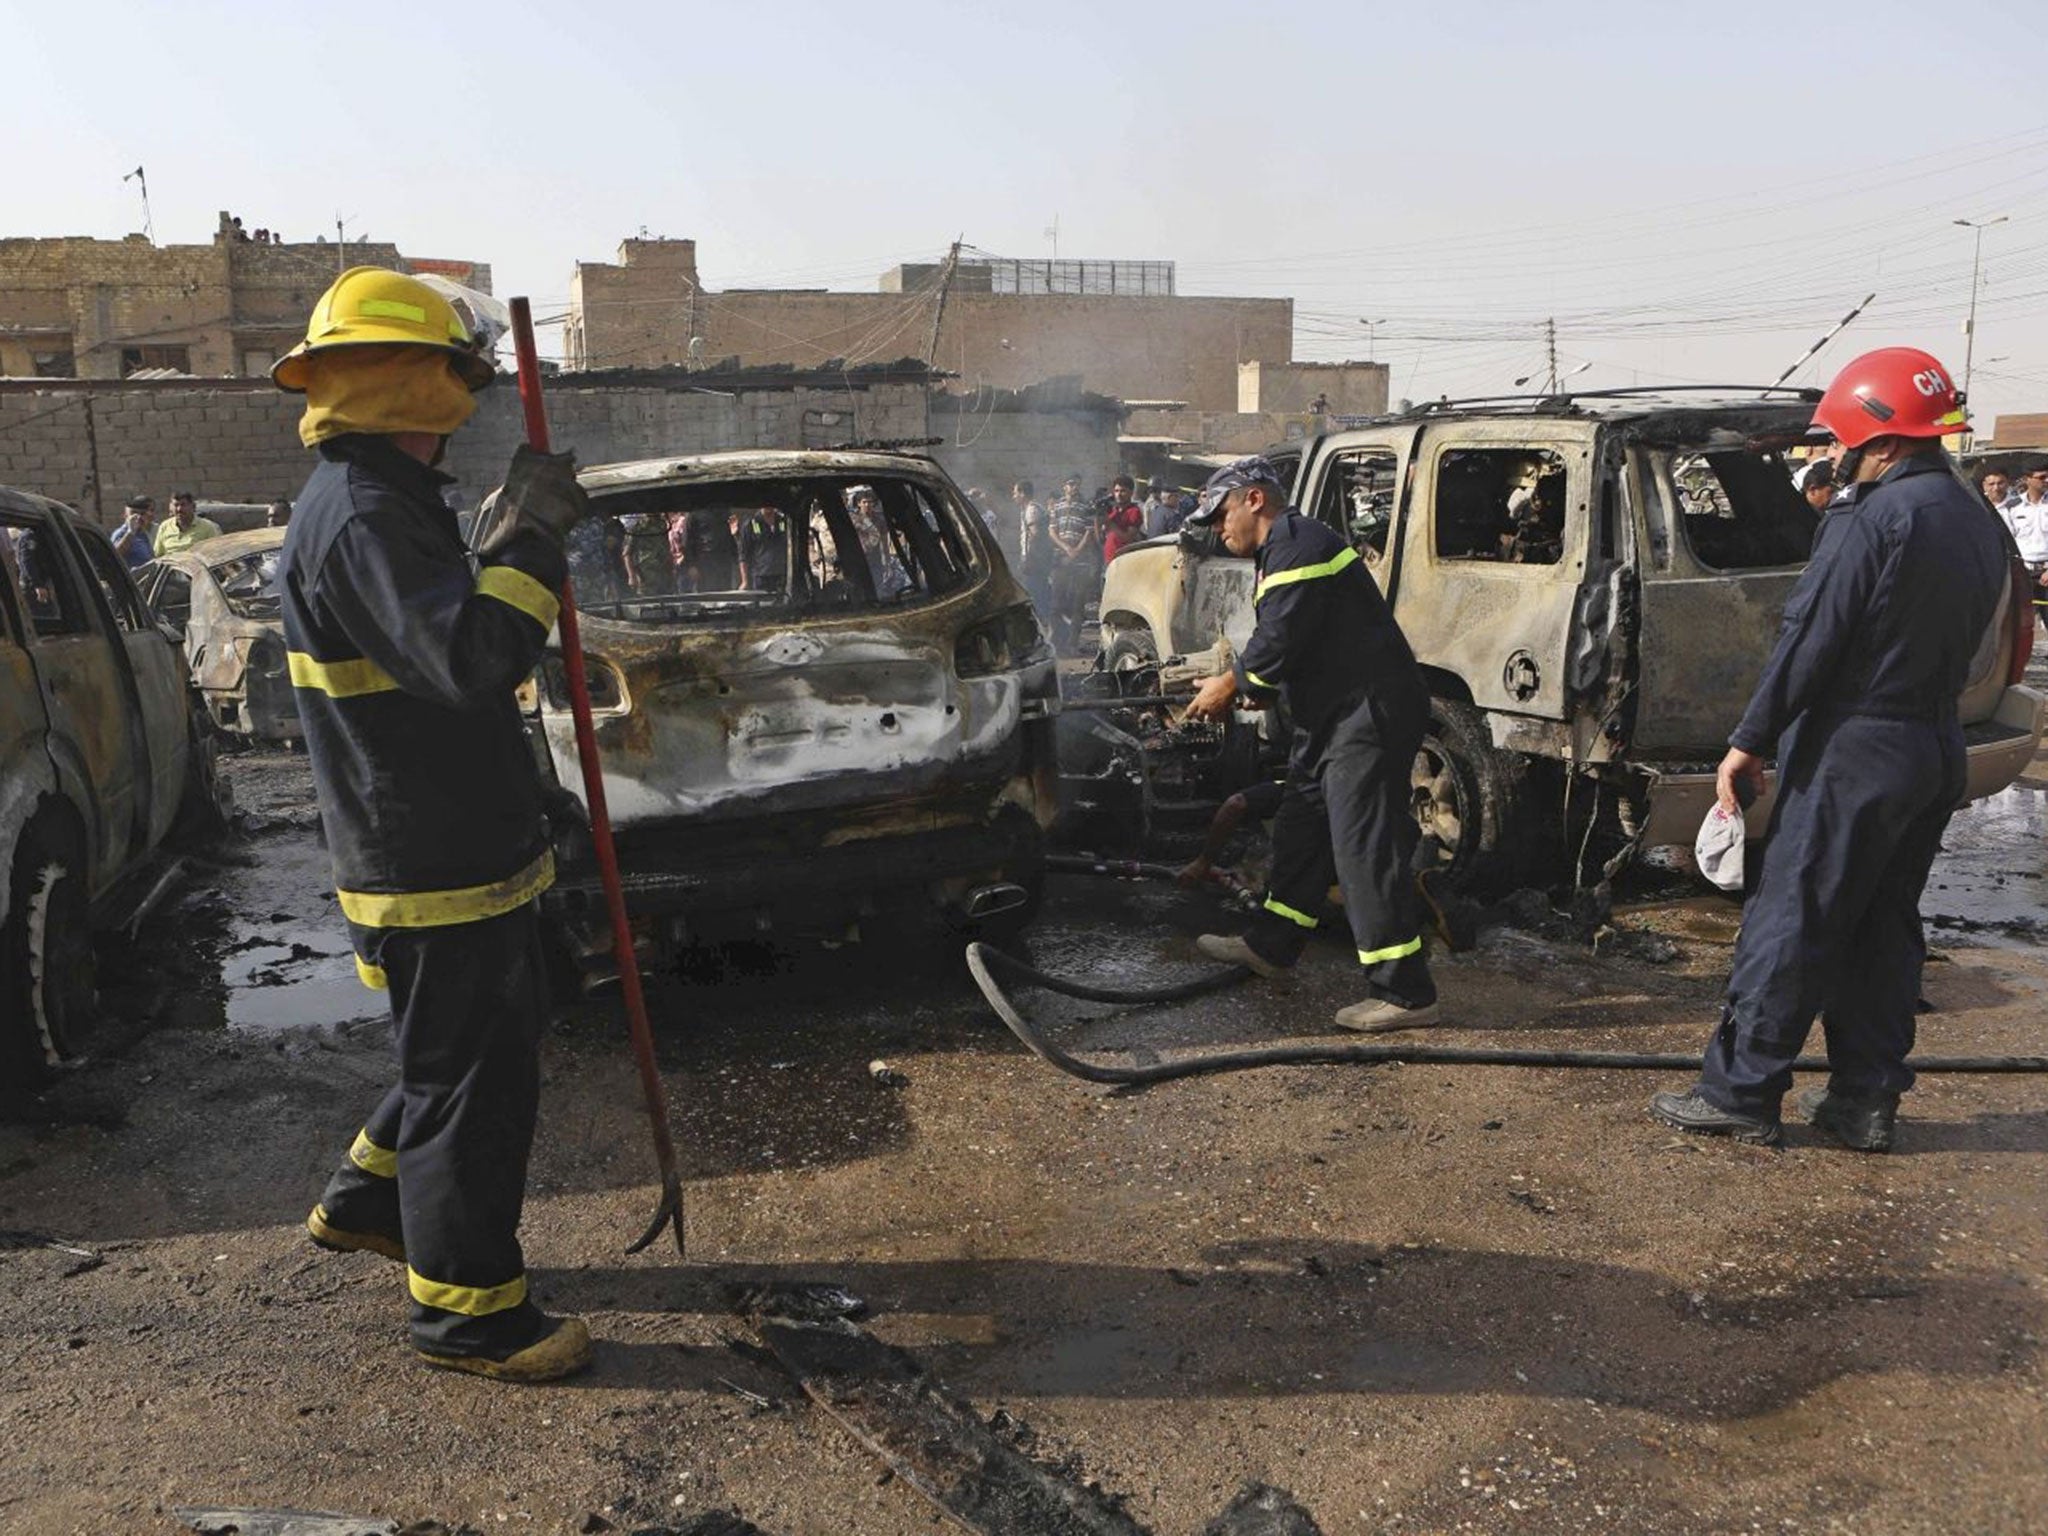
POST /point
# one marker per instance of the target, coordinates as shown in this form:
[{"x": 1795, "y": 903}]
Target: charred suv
[
  {"x": 1592, "y": 585},
  {"x": 822, "y": 703}
]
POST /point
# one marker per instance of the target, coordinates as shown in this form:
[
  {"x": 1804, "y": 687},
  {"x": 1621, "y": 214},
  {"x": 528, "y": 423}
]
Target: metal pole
[
  {"x": 1977, "y": 227},
  {"x": 670, "y": 1211}
]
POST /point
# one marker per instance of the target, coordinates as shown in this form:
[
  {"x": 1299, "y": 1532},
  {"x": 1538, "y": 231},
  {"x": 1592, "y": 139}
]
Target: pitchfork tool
[{"x": 671, "y": 1207}]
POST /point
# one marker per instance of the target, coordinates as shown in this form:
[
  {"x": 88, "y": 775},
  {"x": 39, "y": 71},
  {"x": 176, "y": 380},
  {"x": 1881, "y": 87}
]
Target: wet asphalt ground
[{"x": 1423, "y": 1299}]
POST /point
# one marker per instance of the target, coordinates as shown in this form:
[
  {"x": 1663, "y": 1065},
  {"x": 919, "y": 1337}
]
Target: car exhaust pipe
[{"x": 988, "y": 900}]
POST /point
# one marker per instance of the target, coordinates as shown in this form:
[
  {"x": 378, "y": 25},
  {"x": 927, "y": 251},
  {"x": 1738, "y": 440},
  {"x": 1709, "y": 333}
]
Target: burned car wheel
[
  {"x": 206, "y": 808},
  {"x": 47, "y": 984},
  {"x": 1132, "y": 657},
  {"x": 1474, "y": 804}
]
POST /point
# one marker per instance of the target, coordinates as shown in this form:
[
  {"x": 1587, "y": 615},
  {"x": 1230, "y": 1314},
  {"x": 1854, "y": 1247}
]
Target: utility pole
[
  {"x": 1550, "y": 349},
  {"x": 1976, "y": 270},
  {"x": 931, "y": 350},
  {"x": 1369, "y": 324}
]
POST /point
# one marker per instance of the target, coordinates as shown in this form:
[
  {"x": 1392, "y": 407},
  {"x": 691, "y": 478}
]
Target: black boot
[
  {"x": 1861, "y": 1123},
  {"x": 1690, "y": 1112}
]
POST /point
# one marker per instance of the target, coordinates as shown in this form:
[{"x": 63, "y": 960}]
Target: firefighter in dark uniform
[
  {"x": 1327, "y": 644},
  {"x": 404, "y": 656},
  {"x": 1858, "y": 702}
]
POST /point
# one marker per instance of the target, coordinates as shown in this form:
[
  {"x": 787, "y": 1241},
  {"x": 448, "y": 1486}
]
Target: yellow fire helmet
[{"x": 371, "y": 306}]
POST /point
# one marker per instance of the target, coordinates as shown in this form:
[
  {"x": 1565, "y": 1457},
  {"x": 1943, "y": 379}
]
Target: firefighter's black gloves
[{"x": 540, "y": 496}]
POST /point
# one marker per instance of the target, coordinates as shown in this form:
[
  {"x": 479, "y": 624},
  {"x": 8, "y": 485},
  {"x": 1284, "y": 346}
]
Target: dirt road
[{"x": 1422, "y": 1299}]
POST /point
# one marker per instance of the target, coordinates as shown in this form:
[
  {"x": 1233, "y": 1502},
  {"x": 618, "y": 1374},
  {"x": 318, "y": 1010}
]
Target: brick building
[
  {"x": 1119, "y": 328},
  {"x": 76, "y": 307}
]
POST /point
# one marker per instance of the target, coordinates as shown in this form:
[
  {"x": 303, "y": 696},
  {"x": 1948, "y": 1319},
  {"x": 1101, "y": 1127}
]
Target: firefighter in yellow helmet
[{"x": 404, "y": 653}]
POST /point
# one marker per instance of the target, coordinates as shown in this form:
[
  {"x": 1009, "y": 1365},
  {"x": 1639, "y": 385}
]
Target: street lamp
[
  {"x": 1369, "y": 324},
  {"x": 1978, "y": 226}
]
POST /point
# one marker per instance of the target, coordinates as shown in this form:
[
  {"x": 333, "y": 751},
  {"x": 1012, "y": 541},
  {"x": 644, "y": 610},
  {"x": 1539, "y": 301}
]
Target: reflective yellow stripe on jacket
[
  {"x": 1329, "y": 567},
  {"x": 509, "y": 585},
  {"x": 439, "y": 909},
  {"x": 339, "y": 679}
]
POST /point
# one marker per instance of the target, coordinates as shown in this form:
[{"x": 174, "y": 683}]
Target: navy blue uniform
[
  {"x": 1859, "y": 701},
  {"x": 404, "y": 657},
  {"x": 1326, "y": 641}
]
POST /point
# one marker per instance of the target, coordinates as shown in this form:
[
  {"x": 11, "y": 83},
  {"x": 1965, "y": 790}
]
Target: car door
[
  {"x": 1726, "y": 537},
  {"x": 163, "y": 720},
  {"x": 1355, "y": 487},
  {"x": 1491, "y": 554},
  {"x": 85, "y": 685},
  {"x": 23, "y": 758}
]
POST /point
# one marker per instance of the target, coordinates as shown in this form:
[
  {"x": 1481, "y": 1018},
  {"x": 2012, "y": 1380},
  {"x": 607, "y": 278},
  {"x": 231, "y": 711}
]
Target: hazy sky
[{"x": 1695, "y": 192}]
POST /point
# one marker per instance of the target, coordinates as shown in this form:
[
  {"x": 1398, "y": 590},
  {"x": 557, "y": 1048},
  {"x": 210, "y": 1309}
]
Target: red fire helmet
[{"x": 1892, "y": 392}]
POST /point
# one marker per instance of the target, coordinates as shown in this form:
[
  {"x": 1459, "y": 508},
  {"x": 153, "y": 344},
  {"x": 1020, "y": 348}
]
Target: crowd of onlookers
[
  {"x": 717, "y": 549},
  {"x": 2024, "y": 509},
  {"x": 1058, "y": 550},
  {"x": 141, "y": 538}
]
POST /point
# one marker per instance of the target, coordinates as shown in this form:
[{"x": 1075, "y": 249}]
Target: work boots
[
  {"x": 1690, "y": 1112},
  {"x": 562, "y": 1349},
  {"x": 1376, "y": 1015},
  {"x": 1233, "y": 949},
  {"x": 1861, "y": 1123},
  {"x": 326, "y": 1234}
]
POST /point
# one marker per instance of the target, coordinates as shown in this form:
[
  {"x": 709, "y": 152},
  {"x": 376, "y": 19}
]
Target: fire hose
[{"x": 986, "y": 963}]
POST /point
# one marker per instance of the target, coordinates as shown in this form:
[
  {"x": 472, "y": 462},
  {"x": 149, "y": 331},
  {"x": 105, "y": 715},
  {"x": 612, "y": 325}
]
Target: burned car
[
  {"x": 221, "y": 599},
  {"x": 823, "y": 704},
  {"x": 1592, "y": 585},
  {"x": 99, "y": 756}
]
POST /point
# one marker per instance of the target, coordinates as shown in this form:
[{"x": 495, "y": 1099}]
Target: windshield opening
[
  {"x": 688, "y": 553},
  {"x": 250, "y": 585}
]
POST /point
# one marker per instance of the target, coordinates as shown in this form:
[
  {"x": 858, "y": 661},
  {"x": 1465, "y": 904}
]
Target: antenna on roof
[
  {"x": 1814, "y": 350},
  {"x": 148, "y": 228}
]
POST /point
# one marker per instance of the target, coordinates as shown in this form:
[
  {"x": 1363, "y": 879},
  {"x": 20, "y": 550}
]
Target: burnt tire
[
  {"x": 206, "y": 807},
  {"x": 1132, "y": 657},
  {"x": 1478, "y": 807},
  {"x": 48, "y": 984}
]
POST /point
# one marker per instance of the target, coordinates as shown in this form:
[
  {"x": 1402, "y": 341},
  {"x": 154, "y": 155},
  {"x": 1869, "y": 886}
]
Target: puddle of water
[
  {"x": 1993, "y": 869},
  {"x": 285, "y": 961},
  {"x": 295, "y": 982}
]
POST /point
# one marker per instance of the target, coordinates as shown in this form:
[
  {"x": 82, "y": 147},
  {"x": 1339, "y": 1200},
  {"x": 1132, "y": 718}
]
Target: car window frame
[{"x": 109, "y": 574}]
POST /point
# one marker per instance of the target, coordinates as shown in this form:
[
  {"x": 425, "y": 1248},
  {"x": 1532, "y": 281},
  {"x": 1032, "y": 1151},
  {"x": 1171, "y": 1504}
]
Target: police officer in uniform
[
  {"x": 404, "y": 655},
  {"x": 1859, "y": 703},
  {"x": 1327, "y": 644}
]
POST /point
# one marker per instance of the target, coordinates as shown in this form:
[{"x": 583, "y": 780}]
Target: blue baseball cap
[{"x": 1256, "y": 470}]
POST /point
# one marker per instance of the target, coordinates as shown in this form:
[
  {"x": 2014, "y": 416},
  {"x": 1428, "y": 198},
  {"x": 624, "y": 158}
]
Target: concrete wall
[
  {"x": 643, "y": 311},
  {"x": 237, "y": 443},
  {"x": 1349, "y": 389},
  {"x": 1225, "y": 431}
]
